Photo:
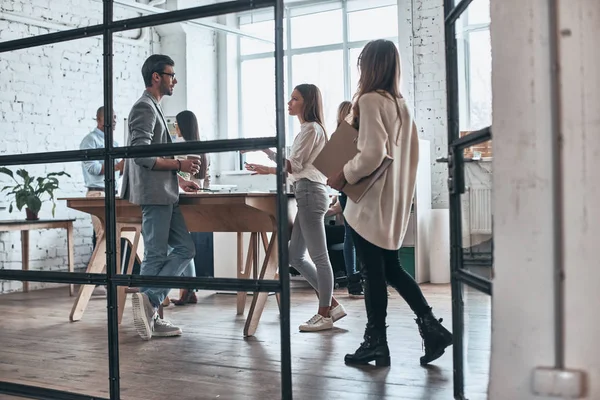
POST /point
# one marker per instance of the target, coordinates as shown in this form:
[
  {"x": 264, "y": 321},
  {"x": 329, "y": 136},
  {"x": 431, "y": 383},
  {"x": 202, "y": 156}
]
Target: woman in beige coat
[{"x": 380, "y": 218}]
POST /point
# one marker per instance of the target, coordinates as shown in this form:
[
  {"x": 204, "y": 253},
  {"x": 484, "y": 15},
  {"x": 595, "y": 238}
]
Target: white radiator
[{"x": 480, "y": 211}]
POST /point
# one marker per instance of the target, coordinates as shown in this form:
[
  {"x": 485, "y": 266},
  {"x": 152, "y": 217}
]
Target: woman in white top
[
  {"x": 313, "y": 202},
  {"x": 385, "y": 127}
]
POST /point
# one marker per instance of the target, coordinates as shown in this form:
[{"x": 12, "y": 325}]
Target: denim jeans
[
  {"x": 190, "y": 270},
  {"x": 308, "y": 232},
  {"x": 163, "y": 226},
  {"x": 349, "y": 250}
]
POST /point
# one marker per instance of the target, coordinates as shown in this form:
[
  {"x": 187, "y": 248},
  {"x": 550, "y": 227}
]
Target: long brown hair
[
  {"x": 313, "y": 104},
  {"x": 380, "y": 70},
  {"x": 344, "y": 109},
  {"x": 188, "y": 125}
]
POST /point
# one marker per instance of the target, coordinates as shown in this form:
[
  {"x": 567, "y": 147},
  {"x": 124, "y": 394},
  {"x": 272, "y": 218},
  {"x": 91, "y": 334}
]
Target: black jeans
[{"x": 381, "y": 265}]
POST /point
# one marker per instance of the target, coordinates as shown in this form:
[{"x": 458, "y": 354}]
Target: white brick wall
[
  {"x": 48, "y": 99},
  {"x": 430, "y": 89}
]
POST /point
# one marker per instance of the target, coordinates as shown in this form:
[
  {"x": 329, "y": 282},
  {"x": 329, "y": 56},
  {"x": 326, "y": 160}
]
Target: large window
[
  {"x": 326, "y": 70},
  {"x": 475, "y": 66},
  {"x": 322, "y": 42}
]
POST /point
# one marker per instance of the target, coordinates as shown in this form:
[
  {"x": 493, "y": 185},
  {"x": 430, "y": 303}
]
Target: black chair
[{"x": 335, "y": 248}]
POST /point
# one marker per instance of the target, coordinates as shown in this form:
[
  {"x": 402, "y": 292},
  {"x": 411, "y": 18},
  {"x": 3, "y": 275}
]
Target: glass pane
[
  {"x": 477, "y": 217},
  {"x": 124, "y": 9},
  {"x": 479, "y": 79},
  {"x": 258, "y": 98},
  {"x": 325, "y": 70},
  {"x": 317, "y": 29},
  {"x": 49, "y": 94},
  {"x": 264, "y": 30},
  {"x": 258, "y": 102},
  {"x": 41, "y": 348},
  {"x": 354, "y": 73},
  {"x": 21, "y": 19},
  {"x": 375, "y": 23},
  {"x": 478, "y": 12},
  {"x": 477, "y": 342}
]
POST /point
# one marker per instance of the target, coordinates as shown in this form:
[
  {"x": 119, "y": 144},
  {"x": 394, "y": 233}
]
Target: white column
[{"x": 523, "y": 300}]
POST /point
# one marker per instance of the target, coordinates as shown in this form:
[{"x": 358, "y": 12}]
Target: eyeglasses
[{"x": 166, "y": 73}]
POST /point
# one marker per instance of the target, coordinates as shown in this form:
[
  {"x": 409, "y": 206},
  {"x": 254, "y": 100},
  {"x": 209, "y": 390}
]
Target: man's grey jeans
[{"x": 163, "y": 227}]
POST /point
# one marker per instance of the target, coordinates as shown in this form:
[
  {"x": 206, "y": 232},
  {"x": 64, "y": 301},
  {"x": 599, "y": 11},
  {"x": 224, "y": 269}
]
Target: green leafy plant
[{"x": 29, "y": 193}]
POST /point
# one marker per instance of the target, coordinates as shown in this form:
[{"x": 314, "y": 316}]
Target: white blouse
[{"x": 306, "y": 147}]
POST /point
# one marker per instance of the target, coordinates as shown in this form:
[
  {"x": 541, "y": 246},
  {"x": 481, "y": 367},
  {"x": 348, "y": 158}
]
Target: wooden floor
[{"x": 39, "y": 346}]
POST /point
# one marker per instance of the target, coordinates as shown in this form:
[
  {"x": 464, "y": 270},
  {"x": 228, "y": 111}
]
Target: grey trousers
[
  {"x": 309, "y": 233},
  {"x": 164, "y": 227}
]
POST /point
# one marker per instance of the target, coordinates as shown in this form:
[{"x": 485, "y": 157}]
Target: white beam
[{"x": 205, "y": 24}]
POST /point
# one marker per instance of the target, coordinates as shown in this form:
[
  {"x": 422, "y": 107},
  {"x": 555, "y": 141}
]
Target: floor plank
[{"x": 213, "y": 360}]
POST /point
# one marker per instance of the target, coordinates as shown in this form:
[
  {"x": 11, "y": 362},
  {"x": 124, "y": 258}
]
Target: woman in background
[
  {"x": 312, "y": 199},
  {"x": 385, "y": 127},
  {"x": 186, "y": 125},
  {"x": 355, "y": 289}
]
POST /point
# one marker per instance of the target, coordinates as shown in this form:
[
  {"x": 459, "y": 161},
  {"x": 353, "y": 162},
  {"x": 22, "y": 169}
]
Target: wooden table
[
  {"x": 203, "y": 212},
  {"x": 25, "y": 226}
]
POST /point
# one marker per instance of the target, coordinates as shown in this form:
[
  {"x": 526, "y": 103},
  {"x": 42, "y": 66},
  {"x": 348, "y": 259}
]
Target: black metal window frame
[
  {"x": 456, "y": 187},
  {"x": 107, "y": 28}
]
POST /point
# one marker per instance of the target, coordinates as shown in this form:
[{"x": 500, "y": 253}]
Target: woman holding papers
[
  {"x": 313, "y": 201},
  {"x": 380, "y": 217}
]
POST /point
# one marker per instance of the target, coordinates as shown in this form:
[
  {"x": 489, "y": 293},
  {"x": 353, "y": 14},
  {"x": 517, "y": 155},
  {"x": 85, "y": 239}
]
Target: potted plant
[{"x": 29, "y": 193}]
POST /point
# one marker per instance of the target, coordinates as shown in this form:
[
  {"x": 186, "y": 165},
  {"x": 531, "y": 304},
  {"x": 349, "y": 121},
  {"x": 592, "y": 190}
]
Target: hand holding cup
[{"x": 191, "y": 165}]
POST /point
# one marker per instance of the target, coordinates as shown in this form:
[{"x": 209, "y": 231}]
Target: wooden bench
[{"x": 25, "y": 226}]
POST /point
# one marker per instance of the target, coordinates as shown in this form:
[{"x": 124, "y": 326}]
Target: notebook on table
[{"x": 340, "y": 149}]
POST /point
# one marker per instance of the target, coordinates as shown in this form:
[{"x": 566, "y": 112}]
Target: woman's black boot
[
  {"x": 435, "y": 337},
  {"x": 374, "y": 348}
]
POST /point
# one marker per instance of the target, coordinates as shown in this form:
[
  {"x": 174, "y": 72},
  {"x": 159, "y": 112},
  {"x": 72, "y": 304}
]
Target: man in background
[{"x": 93, "y": 174}]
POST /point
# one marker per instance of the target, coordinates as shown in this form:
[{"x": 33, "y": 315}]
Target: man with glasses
[{"x": 153, "y": 183}]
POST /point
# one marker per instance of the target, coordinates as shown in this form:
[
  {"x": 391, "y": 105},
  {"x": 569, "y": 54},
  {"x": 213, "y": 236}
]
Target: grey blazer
[{"x": 141, "y": 184}]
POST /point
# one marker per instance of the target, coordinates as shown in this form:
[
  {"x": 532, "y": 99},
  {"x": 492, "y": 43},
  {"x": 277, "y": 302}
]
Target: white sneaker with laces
[
  {"x": 316, "y": 323},
  {"x": 338, "y": 312},
  {"x": 164, "y": 328},
  {"x": 143, "y": 315}
]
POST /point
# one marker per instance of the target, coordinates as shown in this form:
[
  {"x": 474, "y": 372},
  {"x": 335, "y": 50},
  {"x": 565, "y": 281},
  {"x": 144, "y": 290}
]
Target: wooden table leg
[
  {"x": 241, "y": 303},
  {"x": 268, "y": 271},
  {"x": 121, "y": 290},
  {"x": 244, "y": 271},
  {"x": 25, "y": 256},
  {"x": 265, "y": 241},
  {"x": 71, "y": 256},
  {"x": 96, "y": 266}
]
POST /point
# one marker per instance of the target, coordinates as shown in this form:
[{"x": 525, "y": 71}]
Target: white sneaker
[
  {"x": 143, "y": 315},
  {"x": 316, "y": 323},
  {"x": 164, "y": 328},
  {"x": 338, "y": 312}
]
